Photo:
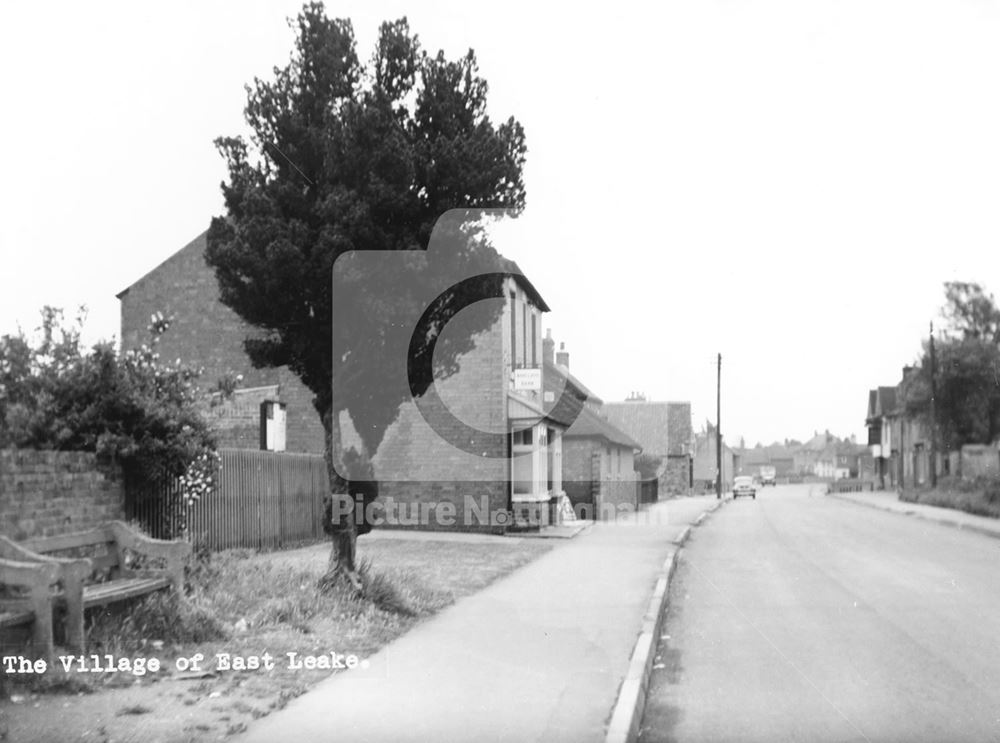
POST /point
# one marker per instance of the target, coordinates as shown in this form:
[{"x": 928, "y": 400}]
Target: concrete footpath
[
  {"x": 540, "y": 655},
  {"x": 889, "y": 501}
]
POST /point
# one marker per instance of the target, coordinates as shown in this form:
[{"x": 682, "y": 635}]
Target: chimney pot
[{"x": 548, "y": 348}]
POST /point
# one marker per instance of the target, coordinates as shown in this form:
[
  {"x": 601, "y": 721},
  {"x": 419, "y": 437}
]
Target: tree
[
  {"x": 648, "y": 466},
  {"x": 970, "y": 312},
  {"x": 346, "y": 157},
  {"x": 967, "y": 404}
]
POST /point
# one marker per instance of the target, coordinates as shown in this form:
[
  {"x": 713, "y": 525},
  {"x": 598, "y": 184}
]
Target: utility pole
[
  {"x": 933, "y": 412},
  {"x": 718, "y": 430}
]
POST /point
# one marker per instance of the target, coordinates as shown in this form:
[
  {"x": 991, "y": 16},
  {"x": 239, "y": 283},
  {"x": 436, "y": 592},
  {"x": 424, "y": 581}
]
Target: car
[
  {"x": 768, "y": 475},
  {"x": 743, "y": 485}
]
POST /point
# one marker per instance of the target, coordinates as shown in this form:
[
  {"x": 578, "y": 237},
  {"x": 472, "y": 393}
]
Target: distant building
[
  {"x": 706, "y": 463},
  {"x": 663, "y": 429},
  {"x": 899, "y": 443}
]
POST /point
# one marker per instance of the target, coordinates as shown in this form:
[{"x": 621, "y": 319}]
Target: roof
[
  {"x": 661, "y": 428},
  {"x": 881, "y": 401},
  {"x": 506, "y": 266},
  {"x": 511, "y": 268},
  {"x": 590, "y": 425},
  {"x": 198, "y": 245},
  {"x": 563, "y": 373},
  {"x": 569, "y": 394}
]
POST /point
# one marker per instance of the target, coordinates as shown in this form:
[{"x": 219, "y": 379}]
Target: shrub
[{"x": 133, "y": 409}]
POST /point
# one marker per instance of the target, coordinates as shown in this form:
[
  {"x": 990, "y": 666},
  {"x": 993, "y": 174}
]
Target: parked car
[{"x": 743, "y": 485}]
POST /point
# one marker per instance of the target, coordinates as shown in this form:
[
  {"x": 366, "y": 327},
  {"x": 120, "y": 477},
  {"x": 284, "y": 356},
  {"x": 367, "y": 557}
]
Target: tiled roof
[
  {"x": 566, "y": 406},
  {"x": 662, "y": 428},
  {"x": 563, "y": 373},
  {"x": 881, "y": 401},
  {"x": 887, "y": 400},
  {"x": 590, "y": 425}
]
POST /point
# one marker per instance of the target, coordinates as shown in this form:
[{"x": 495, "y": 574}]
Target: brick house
[
  {"x": 899, "y": 443},
  {"x": 508, "y": 470},
  {"x": 879, "y": 420},
  {"x": 598, "y": 458},
  {"x": 663, "y": 430},
  {"x": 270, "y": 408}
]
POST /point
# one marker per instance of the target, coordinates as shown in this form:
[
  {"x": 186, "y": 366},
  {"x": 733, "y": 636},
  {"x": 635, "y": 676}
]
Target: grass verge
[
  {"x": 246, "y": 604},
  {"x": 980, "y": 496}
]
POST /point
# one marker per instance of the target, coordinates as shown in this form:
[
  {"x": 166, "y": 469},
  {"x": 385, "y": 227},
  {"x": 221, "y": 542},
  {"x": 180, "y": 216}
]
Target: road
[{"x": 797, "y": 617}]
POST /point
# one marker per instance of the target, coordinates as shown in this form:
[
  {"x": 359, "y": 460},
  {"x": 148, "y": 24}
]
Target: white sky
[{"x": 787, "y": 183}]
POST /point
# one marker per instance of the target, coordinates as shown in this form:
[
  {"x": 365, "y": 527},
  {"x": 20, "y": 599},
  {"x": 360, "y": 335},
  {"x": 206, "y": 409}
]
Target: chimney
[
  {"x": 562, "y": 358},
  {"x": 548, "y": 348}
]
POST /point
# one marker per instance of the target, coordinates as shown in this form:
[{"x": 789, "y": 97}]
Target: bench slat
[
  {"x": 98, "y": 594},
  {"x": 14, "y": 618},
  {"x": 45, "y": 545}
]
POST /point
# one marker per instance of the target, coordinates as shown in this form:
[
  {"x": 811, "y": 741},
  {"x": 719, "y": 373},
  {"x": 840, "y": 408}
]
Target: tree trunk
[{"x": 339, "y": 519}]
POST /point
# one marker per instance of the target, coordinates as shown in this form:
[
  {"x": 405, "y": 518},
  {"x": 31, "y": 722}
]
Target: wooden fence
[{"x": 262, "y": 500}]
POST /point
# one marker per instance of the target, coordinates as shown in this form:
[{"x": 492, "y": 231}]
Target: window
[
  {"x": 272, "y": 426},
  {"x": 524, "y": 333},
  {"x": 534, "y": 338},
  {"x": 513, "y": 330},
  {"x": 527, "y": 473},
  {"x": 522, "y": 437}
]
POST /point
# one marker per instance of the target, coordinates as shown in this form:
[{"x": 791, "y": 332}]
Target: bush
[{"x": 133, "y": 409}]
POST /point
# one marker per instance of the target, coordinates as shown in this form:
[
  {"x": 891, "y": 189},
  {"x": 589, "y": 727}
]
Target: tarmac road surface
[{"x": 801, "y": 617}]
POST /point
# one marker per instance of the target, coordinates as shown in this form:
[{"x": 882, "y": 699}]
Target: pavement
[
  {"x": 888, "y": 500},
  {"x": 549, "y": 652}
]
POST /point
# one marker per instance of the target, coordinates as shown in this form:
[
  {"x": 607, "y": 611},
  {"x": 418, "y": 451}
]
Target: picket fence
[{"x": 261, "y": 500}]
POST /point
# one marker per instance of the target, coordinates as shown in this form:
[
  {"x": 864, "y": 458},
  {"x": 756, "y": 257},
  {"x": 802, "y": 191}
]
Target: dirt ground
[
  {"x": 172, "y": 706},
  {"x": 169, "y": 706}
]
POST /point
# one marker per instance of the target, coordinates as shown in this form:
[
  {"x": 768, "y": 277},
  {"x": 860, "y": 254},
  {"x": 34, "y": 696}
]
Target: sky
[{"x": 787, "y": 184}]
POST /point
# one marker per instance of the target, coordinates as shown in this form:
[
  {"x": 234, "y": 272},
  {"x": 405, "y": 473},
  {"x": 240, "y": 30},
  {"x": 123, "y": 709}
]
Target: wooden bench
[
  {"x": 26, "y": 590},
  {"x": 113, "y": 570}
]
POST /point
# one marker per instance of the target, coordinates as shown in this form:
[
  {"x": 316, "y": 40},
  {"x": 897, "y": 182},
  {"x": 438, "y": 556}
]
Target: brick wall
[
  {"x": 47, "y": 493},
  {"x": 304, "y": 428},
  {"x": 676, "y": 477},
  {"x": 208, "y": 334},
  {"x": 618, "y": 497},
  {"x": 465, "y": 506},
  {"x": 979, "y": 460},
  {"x": 578, "y": 472},
  {"x": 414, "y": 465}
]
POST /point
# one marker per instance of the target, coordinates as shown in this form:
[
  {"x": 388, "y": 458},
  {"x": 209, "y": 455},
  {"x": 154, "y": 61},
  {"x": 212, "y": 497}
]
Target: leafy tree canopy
[
  {"x": 648, "y": 466},
  {"x": 971, "y": 312},
  {"x": 967, "y": 403},
  {"x": 346, "y": 156}
]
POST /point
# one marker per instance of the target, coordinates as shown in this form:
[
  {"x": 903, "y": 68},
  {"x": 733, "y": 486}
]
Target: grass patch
[
  {"x": 980, "y": 496},
  {"x": 245, "y": 603},
  {"x": 162, "y": 617}
]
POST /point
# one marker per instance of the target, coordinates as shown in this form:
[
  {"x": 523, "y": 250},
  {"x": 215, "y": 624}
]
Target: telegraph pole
[
  {"x": 718, "y": 430},
  {"x": 933, "y": 412}
]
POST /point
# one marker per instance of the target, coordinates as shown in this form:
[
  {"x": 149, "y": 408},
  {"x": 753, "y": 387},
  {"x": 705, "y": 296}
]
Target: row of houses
[
  {"x": 902, "y": 451},
  {"x": 561, "y": 445},
  {"x": 823, "y": 456}
]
